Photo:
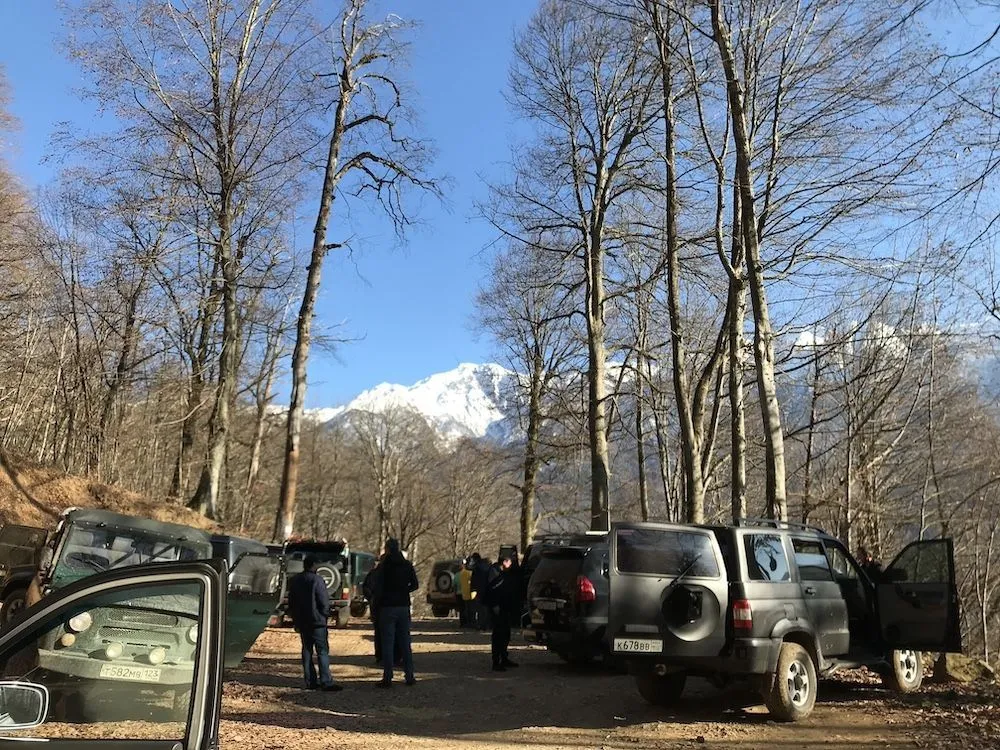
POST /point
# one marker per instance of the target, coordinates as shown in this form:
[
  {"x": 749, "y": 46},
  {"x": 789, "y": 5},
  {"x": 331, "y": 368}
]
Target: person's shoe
[
  {"x": 383, "y": 684},
  {"x": 333, "y": 687},
  {"x": 510, "y": 664},
  {"x": 499, "y": 668},
  {"x": 411, "y": 682}
]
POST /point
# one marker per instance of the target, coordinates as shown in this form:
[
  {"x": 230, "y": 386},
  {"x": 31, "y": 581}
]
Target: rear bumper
[
  {"x": 743, "y": 656},
  {"x": 583, "y": 633}
]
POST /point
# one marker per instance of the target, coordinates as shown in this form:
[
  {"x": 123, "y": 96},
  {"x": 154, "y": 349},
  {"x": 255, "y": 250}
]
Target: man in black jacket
[
  {"x": 309, "y": 607},
  {"x": 393, "y": 583},
  {"x": 503, "y": 596}
]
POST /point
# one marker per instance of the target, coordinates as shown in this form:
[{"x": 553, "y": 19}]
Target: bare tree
[
  {"x": 585, "y": 81},
  {"x": 369, "y": 151}
]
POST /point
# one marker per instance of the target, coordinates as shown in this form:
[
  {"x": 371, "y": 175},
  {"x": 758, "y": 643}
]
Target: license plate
[
  {"x": 638, "y": 645},
  {"x": 134, "y": 674},
  {"x": 548, "y": 606}
]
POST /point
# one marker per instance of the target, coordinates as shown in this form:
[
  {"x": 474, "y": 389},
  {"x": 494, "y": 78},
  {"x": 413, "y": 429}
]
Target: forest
[{"x": 744, "y": 266}]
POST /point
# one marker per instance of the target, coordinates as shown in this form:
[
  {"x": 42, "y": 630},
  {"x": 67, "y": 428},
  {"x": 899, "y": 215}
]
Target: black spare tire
[{"x": 444, "y": 582}]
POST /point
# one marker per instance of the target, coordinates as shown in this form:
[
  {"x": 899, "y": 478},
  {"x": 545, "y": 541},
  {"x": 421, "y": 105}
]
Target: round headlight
[
  {"x": 192, "y": 634},
  {"x": 81, "y": 622},
  {"x": 114, "y": 649},
  {"x": 157, "y": 656}
]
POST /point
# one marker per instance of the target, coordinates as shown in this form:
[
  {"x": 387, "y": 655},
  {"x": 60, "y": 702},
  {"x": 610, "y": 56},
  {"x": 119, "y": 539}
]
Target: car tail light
[
  {"x": 742, "y": 615},
  {"x": 585, "y": 591},
  {"x": 345, "y": 595}
]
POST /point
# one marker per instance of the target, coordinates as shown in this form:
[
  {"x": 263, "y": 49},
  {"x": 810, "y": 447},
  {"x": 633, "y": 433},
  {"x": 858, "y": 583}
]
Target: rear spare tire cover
[
  {"x": 330, "y": 574},
  {"x": 691, "y": 612},
  {"x": 444, "y": 582}
]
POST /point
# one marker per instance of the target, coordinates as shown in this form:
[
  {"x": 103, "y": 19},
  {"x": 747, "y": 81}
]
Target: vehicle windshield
[
  {"x": 666, "y": 552},
  {"x": 88, "y": 550}
]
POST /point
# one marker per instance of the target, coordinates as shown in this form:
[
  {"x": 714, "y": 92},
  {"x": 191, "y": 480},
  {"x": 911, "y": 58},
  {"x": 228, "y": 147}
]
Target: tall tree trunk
[
  {"x": 531, "y": 459},
  {"x": 206, "y": 496},
  {"x": 600, "y": 470},
  {"x": 807, "y": 502},
  {"x": 640, "y": 448},
  {"x": 284, "y": 521},
  {"x": 774, "y": 446}
]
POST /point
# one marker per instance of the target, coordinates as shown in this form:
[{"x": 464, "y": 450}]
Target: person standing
[
  {"x": 467, "y": 615},
  {"x": 309, "y": 607},
  {"x": 503, "y": 597},
  {"x": 373, "y": 605},
  {"x": 393, "y": 584},
  {"x": 480, "y": 582}
]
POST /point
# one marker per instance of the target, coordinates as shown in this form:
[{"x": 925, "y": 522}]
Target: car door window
[
  {"x": 766, "y": 560},
  {"x": 118, "y": 664},
  {"x": 927, "y": 562},
  {"x": 843, "y": 566},
  {"x": 811, "y": 560}
]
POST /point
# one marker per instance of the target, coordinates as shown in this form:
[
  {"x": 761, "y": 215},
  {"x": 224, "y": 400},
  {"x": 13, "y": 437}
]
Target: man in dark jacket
[
  {"x": 503, "y": 595},
  {"x": 480, "y": 583},
  {"x": 393, "y": 584},
  {"x": 373, "y": 605},
  {"x": 309, "y": 607}
]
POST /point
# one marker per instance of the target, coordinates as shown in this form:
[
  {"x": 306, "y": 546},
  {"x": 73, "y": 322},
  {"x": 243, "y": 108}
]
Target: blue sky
[{"x": 407, "y": 307}]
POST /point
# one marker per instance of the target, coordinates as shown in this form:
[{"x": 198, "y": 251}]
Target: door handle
[{"x": 810, "y": 591}]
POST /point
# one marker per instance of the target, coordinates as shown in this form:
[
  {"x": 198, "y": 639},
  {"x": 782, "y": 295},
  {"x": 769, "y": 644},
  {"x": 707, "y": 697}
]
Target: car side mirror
[{"x": 23, "y": 705}]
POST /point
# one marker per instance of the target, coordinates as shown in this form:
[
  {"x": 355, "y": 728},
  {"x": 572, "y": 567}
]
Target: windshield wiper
[{"x": 684, "y": 572}]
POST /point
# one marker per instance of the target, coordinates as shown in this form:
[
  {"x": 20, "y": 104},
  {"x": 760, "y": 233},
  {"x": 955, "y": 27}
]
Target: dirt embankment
[
  {"x": 459, "y": 703},
  {"x": 36, "y": 495}
]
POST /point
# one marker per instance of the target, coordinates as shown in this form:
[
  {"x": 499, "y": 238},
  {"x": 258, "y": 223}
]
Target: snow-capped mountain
[{"x": 473, "y": 400}]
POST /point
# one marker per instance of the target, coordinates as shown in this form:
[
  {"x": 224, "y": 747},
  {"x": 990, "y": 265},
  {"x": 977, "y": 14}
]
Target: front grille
[
  {"x": 138, "y": 617},
  {"x": 133, "y": 637}
]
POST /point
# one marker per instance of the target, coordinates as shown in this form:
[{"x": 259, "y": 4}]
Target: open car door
[
  {"x": 77, "y": 670},
  {"x": 255, "y": 588},
  {"x": 668, "y": 591},
  {"x": 918, "y": 605}
]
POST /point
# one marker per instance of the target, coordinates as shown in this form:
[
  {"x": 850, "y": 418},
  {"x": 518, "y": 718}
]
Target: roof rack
[{"x": 775, "y": 523}]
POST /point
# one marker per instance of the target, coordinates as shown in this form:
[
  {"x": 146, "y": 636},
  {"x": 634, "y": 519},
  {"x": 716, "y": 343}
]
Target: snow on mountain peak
[{"x": 471, "y": 400}]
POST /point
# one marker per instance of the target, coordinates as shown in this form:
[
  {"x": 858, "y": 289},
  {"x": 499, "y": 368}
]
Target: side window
[
  {"x": 811, "y": 560},
  {"x": 843, "y": 566},
  {"x": 922, "y": 562},
  {"x": 766, "y": 559},
  {"x": 124, "y": 656}
]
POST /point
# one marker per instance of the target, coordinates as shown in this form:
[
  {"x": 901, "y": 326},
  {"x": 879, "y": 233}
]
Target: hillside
[{"x": 36, "y": 495}]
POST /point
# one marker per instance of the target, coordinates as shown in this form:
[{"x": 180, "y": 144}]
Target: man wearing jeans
[
  {"x": 309, "y": 607},
  {"x": 393, "y": 584}
]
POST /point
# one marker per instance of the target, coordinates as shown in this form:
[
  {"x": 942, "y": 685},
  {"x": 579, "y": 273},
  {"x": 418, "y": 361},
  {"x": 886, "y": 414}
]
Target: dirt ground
[{"x": 459, "y": 703}]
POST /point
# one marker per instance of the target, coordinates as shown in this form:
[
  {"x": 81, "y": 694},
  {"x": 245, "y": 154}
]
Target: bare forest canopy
[{"x": 744, "y": 265}]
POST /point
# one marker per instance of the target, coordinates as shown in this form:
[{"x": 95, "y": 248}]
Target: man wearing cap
[
  {"x": 309, "y": 607},
  {"x": 392, "y": 587}
]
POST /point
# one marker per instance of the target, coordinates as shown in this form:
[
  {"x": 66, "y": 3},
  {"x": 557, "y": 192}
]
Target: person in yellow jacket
[{"x": 465, "y": 591}]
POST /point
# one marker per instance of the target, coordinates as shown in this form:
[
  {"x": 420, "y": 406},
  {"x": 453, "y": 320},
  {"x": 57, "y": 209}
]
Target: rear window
[
  {"x": 766, "y": 560},
  {"x": 666, "y": 552},
  {"x": 811, "y": 560},
  {"x": 558, "y": 567}
]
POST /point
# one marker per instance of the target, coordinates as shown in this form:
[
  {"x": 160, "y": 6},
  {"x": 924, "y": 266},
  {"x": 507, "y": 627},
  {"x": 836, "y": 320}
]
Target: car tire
[
  {"x": 905, "y": 672},
  {"x": 359, "y": 608},
  {"x": 341, "y": 617},
  {"x": 439, "y": 610},
  {"x": 444, "y": 582},
  {"x": 331, "y": 577},
  {"x": 14, "y": 602},
  {"x": 661, "y": 690},
  {"x": 793, "y": 694}
]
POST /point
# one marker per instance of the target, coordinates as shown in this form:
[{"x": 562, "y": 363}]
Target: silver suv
[{"x": 776, "y": 604}]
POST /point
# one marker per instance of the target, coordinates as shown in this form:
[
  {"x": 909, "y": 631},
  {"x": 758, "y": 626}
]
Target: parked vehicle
[
  {"x": 256, "y": 578},
  {"x": 442, "y": 587},
  {"x": 333, "y": 565},
  {"x": 361, "y": 565},
  {"x": 568, "y": 596},
  {"x": 774, "y": 604},
  {"x": 170, "y": 696},
  {"x": 20, "y": 553},
  {"x": 87, "y": 542}
]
